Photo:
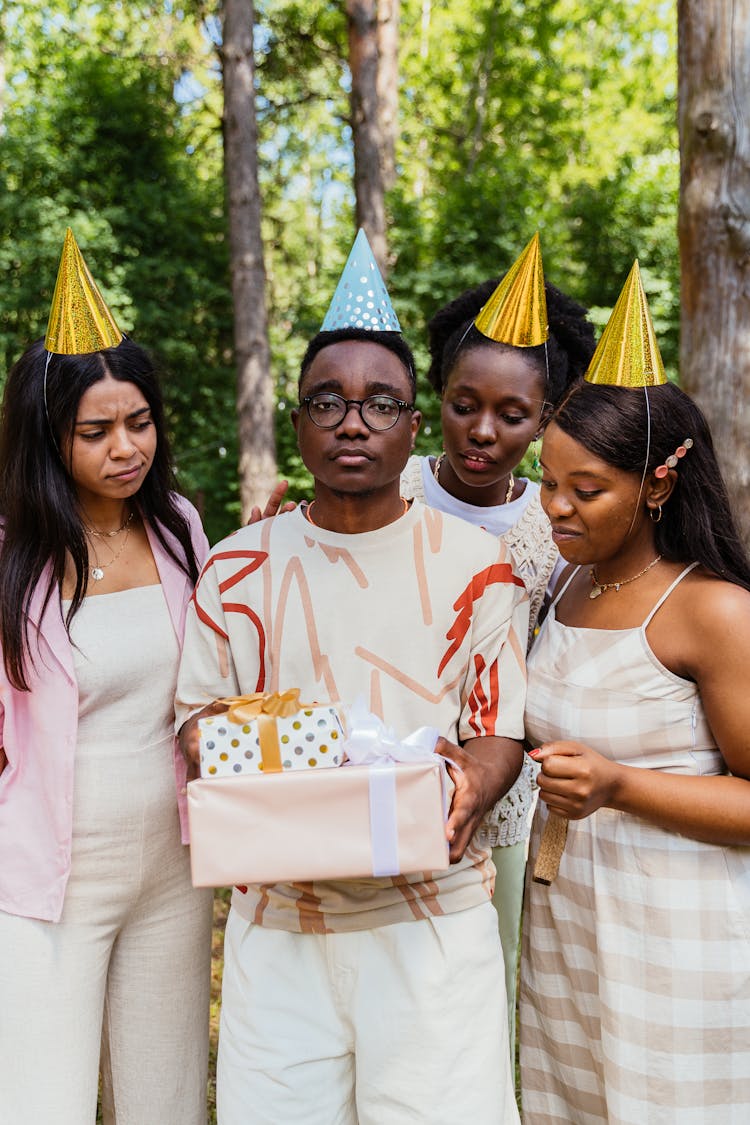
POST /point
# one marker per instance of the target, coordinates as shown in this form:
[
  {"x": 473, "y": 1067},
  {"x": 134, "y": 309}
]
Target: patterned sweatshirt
[{"x": 425, "y": 618}]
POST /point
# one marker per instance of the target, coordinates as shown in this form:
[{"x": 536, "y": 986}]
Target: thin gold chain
[
  {"x": 599, "y": 587},
  {"x": 310, "y": 506},
  {"x": 110, "y": 534}
]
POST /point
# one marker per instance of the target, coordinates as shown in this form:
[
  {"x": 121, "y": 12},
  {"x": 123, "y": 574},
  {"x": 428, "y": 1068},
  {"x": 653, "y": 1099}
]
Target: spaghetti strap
[
  {"x": 667, "y": 592},
  {"x": 569, "y": 579}
]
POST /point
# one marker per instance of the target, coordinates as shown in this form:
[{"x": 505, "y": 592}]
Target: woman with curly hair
[{"x": 495, "y": 397}]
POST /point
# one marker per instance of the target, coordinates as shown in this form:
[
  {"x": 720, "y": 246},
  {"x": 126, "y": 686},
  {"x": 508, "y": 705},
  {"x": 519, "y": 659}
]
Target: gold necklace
[
  {"x": 110, "y": 534},
  {"x": 599, "y": 587},
  {"x": 436, "y": 473},
  {"x": 97, "y": 571},
  {"x": 309, "y": 508}
]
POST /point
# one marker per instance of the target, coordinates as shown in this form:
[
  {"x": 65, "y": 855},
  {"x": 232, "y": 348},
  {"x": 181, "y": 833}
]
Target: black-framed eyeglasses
[{"x": 378, "y": 412}]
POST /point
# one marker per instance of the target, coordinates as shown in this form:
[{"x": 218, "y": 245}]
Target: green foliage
[
  {"x": 523, "y": 116},
  {"x": 95, "y": 138},
  {"x": 632, "y": 214},
  {"x": 557, "y": 115}
]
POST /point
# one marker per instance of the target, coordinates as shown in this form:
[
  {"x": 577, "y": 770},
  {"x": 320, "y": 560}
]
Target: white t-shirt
[{"x": 497, "y": 519}]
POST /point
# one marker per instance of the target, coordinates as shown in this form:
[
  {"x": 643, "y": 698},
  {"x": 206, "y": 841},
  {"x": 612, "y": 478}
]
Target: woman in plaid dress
[{"x": 635, "y": 985}]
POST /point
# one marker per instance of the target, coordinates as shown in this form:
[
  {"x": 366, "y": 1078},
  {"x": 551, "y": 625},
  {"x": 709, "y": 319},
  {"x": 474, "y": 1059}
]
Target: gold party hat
[
  {"x": 627, "y": 354},
  {"x": 79, "y": 320},
  {"x": 516, "y": 313}
]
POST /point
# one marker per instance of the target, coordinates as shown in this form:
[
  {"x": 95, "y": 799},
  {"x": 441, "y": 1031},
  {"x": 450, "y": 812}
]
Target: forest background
[{"x": 550, "y": 115}]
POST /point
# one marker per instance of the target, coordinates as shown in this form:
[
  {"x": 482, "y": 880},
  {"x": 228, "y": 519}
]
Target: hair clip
[{"x": 671, "y": 462}]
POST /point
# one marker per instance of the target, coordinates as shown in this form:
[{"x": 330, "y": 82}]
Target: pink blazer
[{"x": 38, "y": 730}]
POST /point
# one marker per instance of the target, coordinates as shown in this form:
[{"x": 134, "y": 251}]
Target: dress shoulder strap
[
  {"x": 667, "y": 592},
  {"x": 567, "y": 582}
]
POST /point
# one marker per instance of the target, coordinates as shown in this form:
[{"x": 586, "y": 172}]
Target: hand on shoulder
[{"x": 273, "y": 504}]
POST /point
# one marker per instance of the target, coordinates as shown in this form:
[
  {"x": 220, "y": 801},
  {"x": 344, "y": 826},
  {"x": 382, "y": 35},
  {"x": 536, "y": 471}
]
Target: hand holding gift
[
  {"x": 189, "y": 737},
  {"x": 483, "y": 770}
]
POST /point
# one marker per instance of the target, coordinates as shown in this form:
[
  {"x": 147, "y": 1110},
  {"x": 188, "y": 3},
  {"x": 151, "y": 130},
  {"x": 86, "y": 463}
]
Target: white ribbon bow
[{"x": 371, "y": 743}]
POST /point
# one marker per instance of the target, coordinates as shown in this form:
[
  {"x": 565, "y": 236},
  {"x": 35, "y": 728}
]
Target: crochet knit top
[{"x": 535, "y": 557}]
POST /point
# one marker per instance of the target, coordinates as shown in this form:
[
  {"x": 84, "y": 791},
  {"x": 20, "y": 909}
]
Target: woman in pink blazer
[{"x": 105, "y": 945}]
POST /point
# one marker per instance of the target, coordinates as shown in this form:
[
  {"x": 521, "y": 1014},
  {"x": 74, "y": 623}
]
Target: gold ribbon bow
[
  {"x": 264, "y": 708},
  {"x": 277, "y": 704}
]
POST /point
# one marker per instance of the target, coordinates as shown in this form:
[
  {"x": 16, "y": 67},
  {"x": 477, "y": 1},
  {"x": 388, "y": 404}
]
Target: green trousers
[{"x": 508, "y": 900}]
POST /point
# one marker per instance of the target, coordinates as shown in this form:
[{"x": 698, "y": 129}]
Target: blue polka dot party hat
[{"x": 361, "y": 299}]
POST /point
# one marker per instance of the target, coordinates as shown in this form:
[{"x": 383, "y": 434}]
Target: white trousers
[
  {"x": 401, "y": 1024},
  {"x": 127, "y": 970}
]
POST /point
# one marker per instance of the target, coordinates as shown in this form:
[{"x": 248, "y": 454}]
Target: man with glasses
[{"x": 380, "y": 1000}]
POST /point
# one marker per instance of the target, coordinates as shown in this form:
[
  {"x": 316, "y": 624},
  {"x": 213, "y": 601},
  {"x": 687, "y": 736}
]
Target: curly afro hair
[{"x": 570, "y": 346}]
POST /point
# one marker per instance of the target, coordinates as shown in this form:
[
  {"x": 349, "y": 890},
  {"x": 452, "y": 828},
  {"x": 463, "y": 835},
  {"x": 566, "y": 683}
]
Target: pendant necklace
[
  {"x": 97, "y": 571},
  {"x": 598, "y": 588}
]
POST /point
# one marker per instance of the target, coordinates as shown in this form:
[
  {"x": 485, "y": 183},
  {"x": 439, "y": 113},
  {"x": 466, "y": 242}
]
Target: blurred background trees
[{"x": 509, "y": 117}]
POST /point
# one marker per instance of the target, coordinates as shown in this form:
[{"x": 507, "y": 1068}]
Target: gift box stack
[{"x": 277, "y": 803}]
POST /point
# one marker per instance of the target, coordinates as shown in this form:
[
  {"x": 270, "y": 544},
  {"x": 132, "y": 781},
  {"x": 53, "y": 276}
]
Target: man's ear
[
  {"x": 416, "y": 422},
  {"x": 294, "y": 415}
]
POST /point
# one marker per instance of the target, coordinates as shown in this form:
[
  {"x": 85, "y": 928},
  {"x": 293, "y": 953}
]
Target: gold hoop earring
[
  {"x": 536, "y": 444},
  {"x": 651, "y": 514}
]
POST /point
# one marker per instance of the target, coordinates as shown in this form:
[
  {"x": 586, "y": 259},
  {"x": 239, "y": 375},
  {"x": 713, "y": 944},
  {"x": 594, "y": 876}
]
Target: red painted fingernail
[{"x": 535, "y": 753}]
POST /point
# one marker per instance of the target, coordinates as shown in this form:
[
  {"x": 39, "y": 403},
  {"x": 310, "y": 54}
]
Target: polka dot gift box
[{"x": 269, "y": 733}]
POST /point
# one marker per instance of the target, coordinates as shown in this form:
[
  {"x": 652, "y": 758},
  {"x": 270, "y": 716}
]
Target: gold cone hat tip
[
  {"x": 627, "y": 354},
  {"x": 516, "y": 313},
  {"x": 79, "y": 320}
]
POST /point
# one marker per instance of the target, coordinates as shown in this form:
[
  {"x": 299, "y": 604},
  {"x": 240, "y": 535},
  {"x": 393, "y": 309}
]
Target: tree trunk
[
  {"x": 714, "y": 228},
  {"x": 389, "y": 12},
  {"x": 255, "y": 397},
  {"x": 424, "y": 50},
  {"x": 479, "y": 92},
  {"x": 362, "y": 17}
]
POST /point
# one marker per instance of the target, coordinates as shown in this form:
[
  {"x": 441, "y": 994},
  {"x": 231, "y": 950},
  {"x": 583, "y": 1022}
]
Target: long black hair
[
  {"x": 569, "y": 348},
  {"x": 697, "y": 523},
  {"x": 41, "y": 518}
]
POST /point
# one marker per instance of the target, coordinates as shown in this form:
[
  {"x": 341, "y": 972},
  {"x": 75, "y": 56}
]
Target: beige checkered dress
[{"x": 635, "y": 976}]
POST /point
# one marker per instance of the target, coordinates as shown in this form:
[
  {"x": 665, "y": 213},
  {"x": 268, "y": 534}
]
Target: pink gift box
[{"x": 348, "y": 823}]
